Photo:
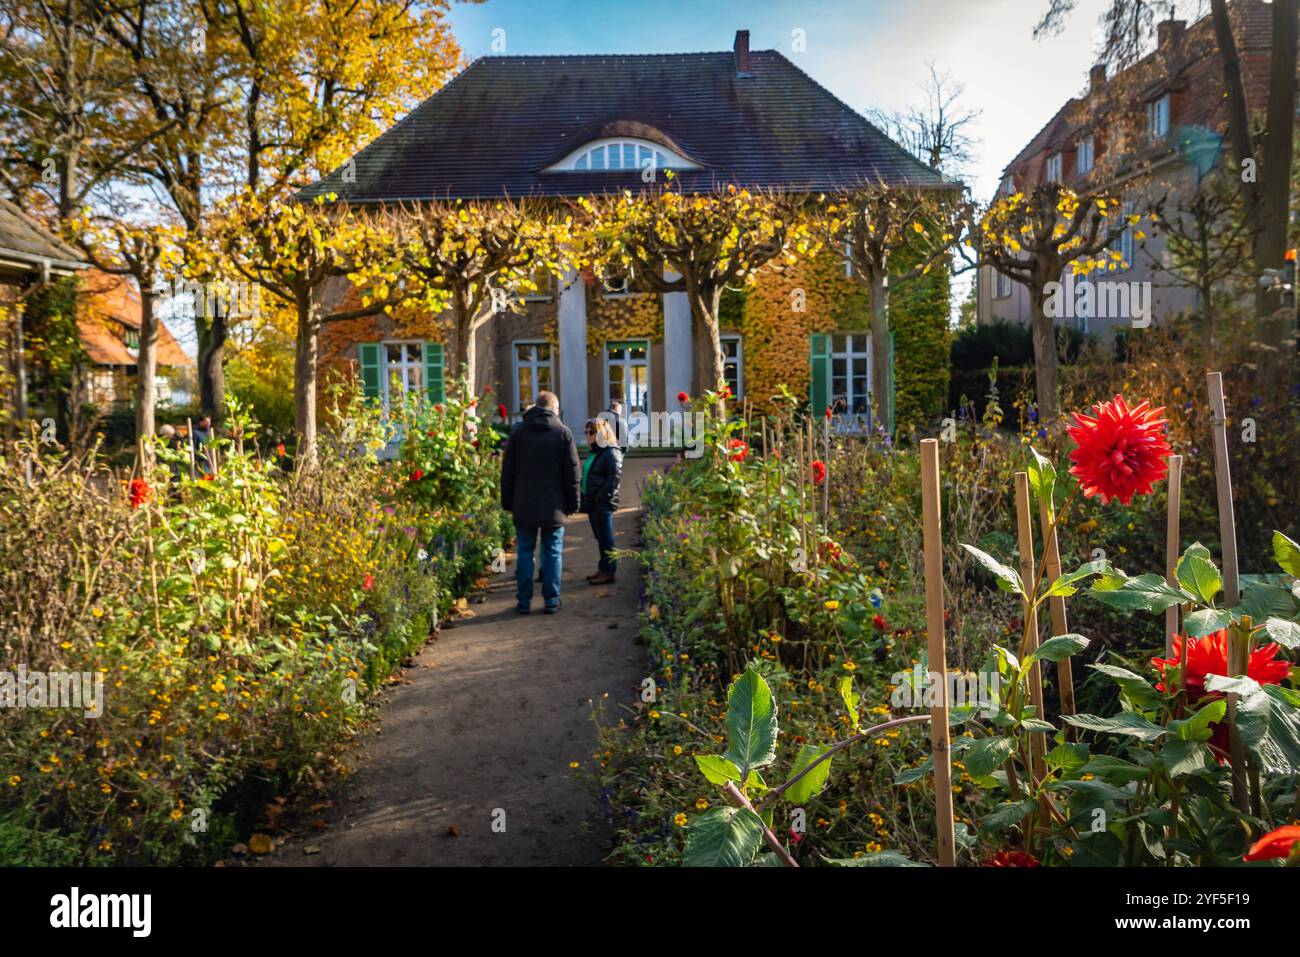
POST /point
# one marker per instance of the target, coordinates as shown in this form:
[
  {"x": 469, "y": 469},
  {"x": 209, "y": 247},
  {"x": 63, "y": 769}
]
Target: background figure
[
  {"x": 200, "y": 437},
  {"x": 602, "y": 474},
  {"x": 616, "y": 409},
  {"x": 539, "y": 487}
]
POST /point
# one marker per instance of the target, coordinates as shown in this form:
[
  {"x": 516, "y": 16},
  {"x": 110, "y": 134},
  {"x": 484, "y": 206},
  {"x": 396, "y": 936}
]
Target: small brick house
[
  {"x": 1154, "y": 129},
  {"x": 566, "y": 126}
]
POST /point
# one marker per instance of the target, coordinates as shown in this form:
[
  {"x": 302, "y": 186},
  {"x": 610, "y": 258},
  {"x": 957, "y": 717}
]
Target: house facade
[
  {"x": 1152, "y": 131},
  {"x": 560, "y": 127}
]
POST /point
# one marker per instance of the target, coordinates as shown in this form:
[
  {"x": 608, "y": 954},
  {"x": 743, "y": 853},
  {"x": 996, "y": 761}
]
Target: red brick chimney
[
  {"x": 742, "y": 53},
  {"x": 1169, "y": 32},
  {"x": 1097, "y": 77}
]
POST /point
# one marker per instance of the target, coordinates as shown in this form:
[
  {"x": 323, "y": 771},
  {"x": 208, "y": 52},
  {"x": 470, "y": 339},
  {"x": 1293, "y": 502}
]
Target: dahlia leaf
[
  {"x": 812, "y": 782},
  {"x": 751, "y": 722},
  {"x": 1207, "y": 621},
  {"x": 1199, "y": 576},
  {"x": 1285, "y": 633},
  {"x": 890, "y": 858},
  {"x": 1135, "y": 688},
  {"x": 1058, "y": 648},
  {"x": 717, "y": 769},
  {"x": 1270, "y": 727},
  {"x": 1126, "y": 722},
  {"x": 724, "y": 837},
  {"x": 1287, "y": 554},
  {"x": 1148, "y": 592},
  {"x": 1008, "y": 579},
  {"x": 1183, "y": 757},
  {"x": 1042, "y": 479},
  {"x": 1198, "y": 726}
]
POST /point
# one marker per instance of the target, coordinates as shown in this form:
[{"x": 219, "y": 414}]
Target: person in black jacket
[
  {"x": 601, "y": 477},
  {"x": 539, "y": 487}
]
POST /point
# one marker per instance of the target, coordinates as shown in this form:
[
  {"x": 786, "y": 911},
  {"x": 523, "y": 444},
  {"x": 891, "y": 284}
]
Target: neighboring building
[
  {"x": 566, "y": 126},
  {"x": 1154, "y": 129},
  {"x": 108, "y": 321}
]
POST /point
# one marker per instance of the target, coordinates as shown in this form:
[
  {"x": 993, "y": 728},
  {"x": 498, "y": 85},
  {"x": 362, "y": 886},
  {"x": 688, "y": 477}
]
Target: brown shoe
[{"x": 601, "y": 578}]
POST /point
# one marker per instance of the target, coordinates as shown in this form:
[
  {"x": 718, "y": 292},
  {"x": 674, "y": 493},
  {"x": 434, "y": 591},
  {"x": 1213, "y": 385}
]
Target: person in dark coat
[
  {"x": 539, "y": 487},
  {"x": 602, "y": 475}
]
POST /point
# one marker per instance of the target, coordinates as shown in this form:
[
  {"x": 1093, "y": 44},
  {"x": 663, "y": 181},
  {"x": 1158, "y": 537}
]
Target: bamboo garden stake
[
  {"x": 1060, "y": 621},
  {"x": 938, "y": 652},
  {"x": 1025, "y": 530},
  {"x": 1237, "y": 654},
  {"x": 1172, "y": 626}
]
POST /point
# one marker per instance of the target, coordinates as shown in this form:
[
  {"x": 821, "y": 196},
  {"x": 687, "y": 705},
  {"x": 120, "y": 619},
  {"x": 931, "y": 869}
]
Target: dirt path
[{"x": 492, "y": 715}]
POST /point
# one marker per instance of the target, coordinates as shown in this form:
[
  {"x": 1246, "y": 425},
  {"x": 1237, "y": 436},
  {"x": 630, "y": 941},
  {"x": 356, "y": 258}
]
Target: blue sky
[{"x": 869, "y": 53}]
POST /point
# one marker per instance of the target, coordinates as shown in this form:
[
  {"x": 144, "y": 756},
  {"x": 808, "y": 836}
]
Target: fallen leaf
[
  {"x": 453, "y": 831},
  {"x": 260, "y": 843},
  {"x": 311, "y": 849}
]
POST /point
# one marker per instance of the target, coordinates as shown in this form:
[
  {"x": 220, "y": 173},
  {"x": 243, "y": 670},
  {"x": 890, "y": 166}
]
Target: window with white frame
[
  {"x": 851, "y": 373},
  {"x": 627, "y": 375},
  {"x": 622, "y": 154},
  {"x": 403, "y": 371},
  {"x": 1126, "y": 238},
  {"x": 733, "y": 360},
  {"x": 1001, "y": 285},
  {"x": 544, "y": 280},
  {"x": 1054, "y": 168},
  {"x": 534, "y": 371},
  {"x": 1158, "y": 117},
  {"x": 1086, "y": 155}
]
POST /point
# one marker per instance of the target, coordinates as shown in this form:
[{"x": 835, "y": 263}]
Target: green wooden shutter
[
  {"x": 433, "y": 371},
  {"x": 819, "y": 389},
  {"x": 371, "y": 375}
]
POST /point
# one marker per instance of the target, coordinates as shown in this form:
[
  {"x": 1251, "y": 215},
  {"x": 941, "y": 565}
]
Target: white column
[
  {"x": 573, "y": 352},
  {"x": 678, "y": 347}
]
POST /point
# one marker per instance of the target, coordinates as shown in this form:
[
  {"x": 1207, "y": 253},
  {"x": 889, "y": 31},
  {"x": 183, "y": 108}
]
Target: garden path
[{"x": 489, "y": 717}]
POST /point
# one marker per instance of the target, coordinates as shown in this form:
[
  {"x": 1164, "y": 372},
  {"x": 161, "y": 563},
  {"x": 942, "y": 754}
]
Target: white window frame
[
  {"x": 738, "y": 360},
  {"x": 1055, "y": 167},
  {"x": 584, "y": 159},
  {"x": 849, "y": 355},
  {"x": 533, "y": 364},
  {"x": 544, "y": 293},
  {"x": 1158, "y": 117},
  {"x": 1086, "y": 154},
  {"x": 404, "y": 365},
  {"x": 627, "y": 364}
]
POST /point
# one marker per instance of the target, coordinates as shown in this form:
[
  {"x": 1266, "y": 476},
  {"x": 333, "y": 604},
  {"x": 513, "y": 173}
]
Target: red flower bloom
[
  {"x": 210, "y": 476},
  {"x": 737, "y": 450},
  {"x": 1013, "y": 859},
  {"x": 725, "y": 393},
  {"x": 683, "y": 398},
  {"x": 279, "y": 450},
  {"x": 140, "y": 492},
  {"x": 1121, "y": 452},
  {"x": 1277, "y": 843},
  {"x": 369, "y": 582},
  {"x": 795, "y": 836},
  {"x": 818, "y": 471},
  {"x": 879, "y": 622},
  {"x": 417, "y": 475},
  {"x": 828, "y": 412},
  {"x": 502, "y": 411},
  {"x": 1209, "y": 656},
  {"x": 436, "y": 408}
]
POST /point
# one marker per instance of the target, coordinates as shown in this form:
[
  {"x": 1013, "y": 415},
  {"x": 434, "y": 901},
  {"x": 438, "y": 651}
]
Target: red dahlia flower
[
  {"x": 818, "y": 471},
  {"x": 502, "y": 411},
  {"x": 1278, "y": 843},
  {"x": 417, "y": 475},
  {"x": 140, "y": 492},
  {"x": 369, "y": 582},
  {"x": 1013, "y": 859},
  {"x": 828, "y": 412},
  {"x": 1209, "y": 656},
  {"x": 683, "y": 398},
  {"x": 1121, "y": 451},
  {"x": 737, "y": 450},
  {"x": 279, "y": 450},
  {"x": 879, "y": 622}
]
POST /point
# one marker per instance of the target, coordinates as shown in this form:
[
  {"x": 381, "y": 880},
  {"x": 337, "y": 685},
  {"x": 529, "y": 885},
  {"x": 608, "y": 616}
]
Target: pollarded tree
[
  {"x": 869, "y": 226},
  {"x": 148, "y": 255},
  {"x": 710, "y": 241},
  {"x": 1031, "y": 238},
  {"x": 470, "y": 257},
  {"x": 291, "y": 249}
]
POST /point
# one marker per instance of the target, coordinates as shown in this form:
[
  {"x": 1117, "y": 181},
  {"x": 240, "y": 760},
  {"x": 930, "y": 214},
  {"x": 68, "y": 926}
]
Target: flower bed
[{"x": 238, "y": 621}]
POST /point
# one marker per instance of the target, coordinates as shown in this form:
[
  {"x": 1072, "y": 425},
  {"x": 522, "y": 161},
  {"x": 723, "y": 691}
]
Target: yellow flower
[
  {"x": 14, "y": 780},
  {"x": 677, "y": 749},
  {"x": 701, "y": 804},
  {"x": 679, "y": 819},
  {"x": 832, "y": 605},
  {"x": 573, "y": 764}
]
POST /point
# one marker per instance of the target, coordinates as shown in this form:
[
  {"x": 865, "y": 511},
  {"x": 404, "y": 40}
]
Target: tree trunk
[
  {"x": 304, "y": 377},
  {"x": 705, "y": 305},
  {"x": 880, "y": 378},
  {"x": 146, "y": 364},
  {"x": 464, "y": 358},
  {"x": 211, "y": 332},
  {"x": 1045, "y": 358}
]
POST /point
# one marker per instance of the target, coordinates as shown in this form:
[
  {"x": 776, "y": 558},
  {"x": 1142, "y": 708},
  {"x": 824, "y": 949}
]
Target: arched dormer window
[{"x": 622, "y": 153}]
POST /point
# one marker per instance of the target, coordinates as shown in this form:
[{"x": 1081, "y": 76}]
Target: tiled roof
[
  {"x": 108, "y": 303},
  {"x": 23, "y": 238},
  {"x": 497, "y": 126}
]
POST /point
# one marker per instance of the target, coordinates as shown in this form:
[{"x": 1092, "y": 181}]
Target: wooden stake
[
  {"x": 1231, "y": 582},
  {"x": 1025, "y": 530},
  {"x": 1172, "y": 550},
  {"x": 1060, "y": 622},
  {"x": 938, "y": 653}
]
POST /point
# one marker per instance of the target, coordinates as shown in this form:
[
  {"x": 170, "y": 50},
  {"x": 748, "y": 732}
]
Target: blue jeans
[
  {"x": 602, "y": 526},
  {"x": 552, "y": 563}
]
